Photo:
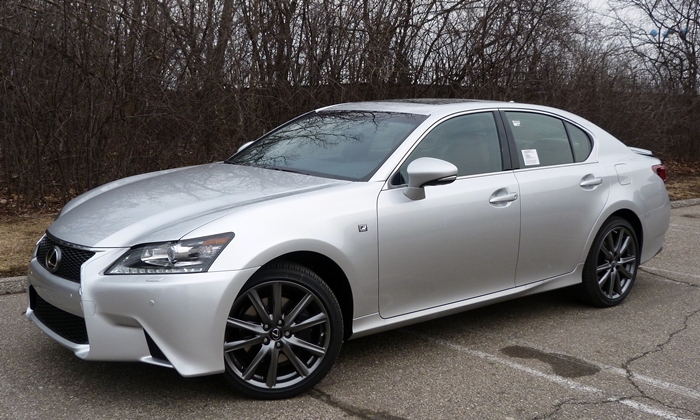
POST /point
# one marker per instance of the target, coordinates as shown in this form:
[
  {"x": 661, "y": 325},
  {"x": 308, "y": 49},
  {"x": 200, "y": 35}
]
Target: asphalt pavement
[{"x": 544, "y": 356}]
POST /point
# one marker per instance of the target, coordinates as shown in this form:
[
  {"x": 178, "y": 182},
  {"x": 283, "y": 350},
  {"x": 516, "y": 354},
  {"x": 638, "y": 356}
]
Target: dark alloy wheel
[
  {"x": 611, "y": 266},
  {"x": 283, "y": 333}
]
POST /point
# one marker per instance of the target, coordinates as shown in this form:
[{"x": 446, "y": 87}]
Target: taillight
[{"x": 660, "y": 170}]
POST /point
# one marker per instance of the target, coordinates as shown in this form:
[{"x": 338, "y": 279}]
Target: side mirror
[
  {"x": 243, "y": 146},
  {"x": 428, "y": 171}
]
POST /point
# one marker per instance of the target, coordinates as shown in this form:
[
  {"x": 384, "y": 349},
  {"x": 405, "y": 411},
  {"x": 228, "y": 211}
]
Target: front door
[{"x": 461, "y": 240}]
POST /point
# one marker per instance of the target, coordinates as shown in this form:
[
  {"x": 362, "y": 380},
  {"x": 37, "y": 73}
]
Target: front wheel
[
  {"x": 283, "y": 333},
  {"x": 611, "y": 265}
]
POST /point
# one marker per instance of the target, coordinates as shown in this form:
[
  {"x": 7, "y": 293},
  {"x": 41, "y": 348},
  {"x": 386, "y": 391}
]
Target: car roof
[
  {"x": 424, "y": 106},
  {"x": 440, "y": 107}
]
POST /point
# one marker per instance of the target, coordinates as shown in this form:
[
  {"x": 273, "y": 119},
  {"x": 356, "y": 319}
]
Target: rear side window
[
  {"x": 540, "y": 140},
  {"x": 580, "y": 142}
]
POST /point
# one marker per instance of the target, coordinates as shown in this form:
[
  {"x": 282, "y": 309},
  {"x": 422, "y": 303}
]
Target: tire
[
  {"x": 283, "y": 334},
  {"x": 611, "y": 265}
]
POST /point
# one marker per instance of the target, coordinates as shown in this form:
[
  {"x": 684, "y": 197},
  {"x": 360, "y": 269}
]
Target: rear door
[{"x": 562, "y": 192}]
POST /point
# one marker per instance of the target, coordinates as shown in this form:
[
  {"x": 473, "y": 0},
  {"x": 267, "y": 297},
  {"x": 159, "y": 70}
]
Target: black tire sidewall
[
  {"x": 591, "y": 290},
  {"x": 294, "y": 273}
]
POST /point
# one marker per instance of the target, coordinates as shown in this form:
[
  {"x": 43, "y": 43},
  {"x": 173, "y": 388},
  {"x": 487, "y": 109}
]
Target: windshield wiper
[{"x": 274, "y": 168}]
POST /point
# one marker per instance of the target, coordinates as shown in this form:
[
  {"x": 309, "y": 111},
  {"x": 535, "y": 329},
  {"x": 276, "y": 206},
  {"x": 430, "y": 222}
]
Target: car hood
[{"x": 165, "y": 206}]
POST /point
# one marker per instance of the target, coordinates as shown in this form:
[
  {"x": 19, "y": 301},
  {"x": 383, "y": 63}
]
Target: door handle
[
  {"x": 503, "y": 198},
  {"x": 591, "y": 182}
]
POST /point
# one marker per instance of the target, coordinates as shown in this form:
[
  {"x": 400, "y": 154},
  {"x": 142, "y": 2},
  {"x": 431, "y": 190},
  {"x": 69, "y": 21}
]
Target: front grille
[
  {"x": 71, "y": 258},
  {"x": 67, "y": 325}
]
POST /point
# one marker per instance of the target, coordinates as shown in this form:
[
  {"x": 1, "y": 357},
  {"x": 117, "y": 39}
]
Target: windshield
[{"x": 335, "y": 144}]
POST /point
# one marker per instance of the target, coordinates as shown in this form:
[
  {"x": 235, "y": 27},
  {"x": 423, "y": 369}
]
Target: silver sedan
[{"x": 346, "y": 221}]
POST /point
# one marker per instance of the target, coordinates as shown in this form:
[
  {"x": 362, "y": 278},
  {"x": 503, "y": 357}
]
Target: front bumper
[{"x": 175, "y": 320}]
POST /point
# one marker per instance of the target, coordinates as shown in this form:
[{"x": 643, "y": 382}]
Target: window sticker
[
  {"x": 530, "y": 157},
  {"x": 516, "y": 123}
]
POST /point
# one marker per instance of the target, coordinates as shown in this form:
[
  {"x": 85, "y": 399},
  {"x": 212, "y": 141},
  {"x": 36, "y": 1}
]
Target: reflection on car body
[{"x": 346, "y": 221}]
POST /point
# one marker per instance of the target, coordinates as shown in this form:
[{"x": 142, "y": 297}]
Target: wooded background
[{"x": 92, "y": 91}]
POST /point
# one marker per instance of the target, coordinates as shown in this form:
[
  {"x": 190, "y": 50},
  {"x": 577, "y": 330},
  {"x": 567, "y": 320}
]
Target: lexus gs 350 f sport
[{"x": 346, "y": 221}]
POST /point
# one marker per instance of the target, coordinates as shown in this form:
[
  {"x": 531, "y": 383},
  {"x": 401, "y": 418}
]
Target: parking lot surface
[{"x": 544, "y": 356}]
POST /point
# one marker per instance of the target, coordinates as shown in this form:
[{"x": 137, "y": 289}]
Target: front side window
[
  {"x": 335, "y": 144},
  {"x": 470, "y": 142}
]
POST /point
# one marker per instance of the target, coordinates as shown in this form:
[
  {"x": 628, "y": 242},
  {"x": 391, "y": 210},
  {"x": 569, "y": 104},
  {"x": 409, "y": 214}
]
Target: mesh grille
[
  {"x": 71, "y": 258},
  {"x": 67, "y": 325}
]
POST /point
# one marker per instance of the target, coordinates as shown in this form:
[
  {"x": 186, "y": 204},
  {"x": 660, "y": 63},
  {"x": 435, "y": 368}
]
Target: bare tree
[
  {"x": 665, "y": 37},
  {"x": 94, "y": 91}
]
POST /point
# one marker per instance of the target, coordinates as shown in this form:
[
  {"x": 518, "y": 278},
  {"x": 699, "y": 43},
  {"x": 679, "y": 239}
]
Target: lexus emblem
[
  {"x": 53, "y": 259},
  {"x": 276, "y": 334}
]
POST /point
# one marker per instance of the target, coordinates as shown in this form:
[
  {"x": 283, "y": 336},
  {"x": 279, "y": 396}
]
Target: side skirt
[{"x": 374, "y": 323}]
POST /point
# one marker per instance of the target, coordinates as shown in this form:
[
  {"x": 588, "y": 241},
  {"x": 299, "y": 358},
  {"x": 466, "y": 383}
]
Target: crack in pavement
[
  {"x": 556, "y": 408},
  {"x": 350, "y": 409},
  {"x": 672, "y": 280},
  {"x": 625, "y": 400},
  {"x": 575, "y": 402},
  {"x": 635, "y": 401},
  {"x": 629, "y": 401},
  {"x": 658, "y": 348},
  {"x": 599, "y": 394}
]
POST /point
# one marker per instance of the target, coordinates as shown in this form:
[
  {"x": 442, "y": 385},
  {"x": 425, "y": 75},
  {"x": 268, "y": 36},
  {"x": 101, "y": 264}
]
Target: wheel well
[
  {"x": 633, "y": 220},
  {"x": 334, "y": 277}
]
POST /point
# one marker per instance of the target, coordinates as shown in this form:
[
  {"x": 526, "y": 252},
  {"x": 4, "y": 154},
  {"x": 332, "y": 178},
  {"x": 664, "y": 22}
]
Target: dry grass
[
  {"x": 683, "y": 187},
  {"x": 683, "y": 180},
  {"x": 18, "y": 235}
]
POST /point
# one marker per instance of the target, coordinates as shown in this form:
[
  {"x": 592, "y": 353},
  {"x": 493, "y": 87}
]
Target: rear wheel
[
  {"x": 283, "y": 333},
  {"x": 611, "y": 265}
]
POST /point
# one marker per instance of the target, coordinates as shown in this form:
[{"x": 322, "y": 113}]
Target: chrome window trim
[
  {"x": 591, "y": 137},
  {"x": 387, "y": 183}
]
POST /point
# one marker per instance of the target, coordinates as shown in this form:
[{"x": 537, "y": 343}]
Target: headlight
[{"x": 188, "y": 256}]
